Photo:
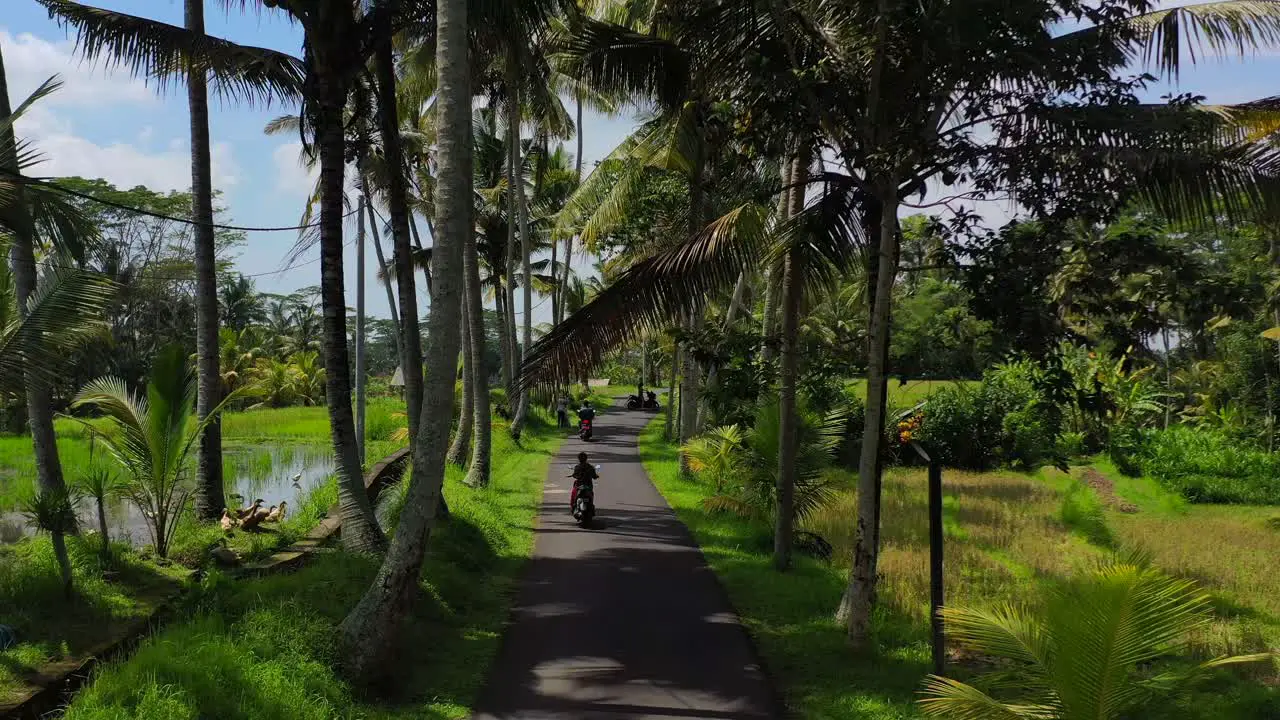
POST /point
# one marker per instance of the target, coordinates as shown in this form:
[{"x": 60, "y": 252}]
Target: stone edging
[{"x": 49, "y": 687}]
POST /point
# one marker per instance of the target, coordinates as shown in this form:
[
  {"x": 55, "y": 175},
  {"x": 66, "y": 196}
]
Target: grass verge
[
  {"x": 51, "y": 627},
  {"x": 1009, "y": 537},
  {"x": 265, "y": 648}
]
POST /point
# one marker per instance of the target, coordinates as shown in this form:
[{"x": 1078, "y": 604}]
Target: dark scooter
[
  {"x": 584, "y": 505},
  {"x": 649, "y": 403}
]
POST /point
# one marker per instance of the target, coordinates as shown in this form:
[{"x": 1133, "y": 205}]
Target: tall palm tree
[
  {"x": 209, "y": 491},
  {"x": 23, "y": 260},
  {"x": 31, "y": 212},
  {"x": 369, "y": 632},
  {"x": 331, "y": 61}
]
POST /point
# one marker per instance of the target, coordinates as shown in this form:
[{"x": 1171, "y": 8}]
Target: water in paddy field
[{"x": 250, "y": 472}]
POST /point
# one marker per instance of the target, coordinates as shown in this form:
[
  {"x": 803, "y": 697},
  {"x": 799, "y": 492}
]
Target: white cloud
[
  {"x": 293, "y": 178},
  {"x": 30, "y": 60},
  {"x": 86, "y": 93}
]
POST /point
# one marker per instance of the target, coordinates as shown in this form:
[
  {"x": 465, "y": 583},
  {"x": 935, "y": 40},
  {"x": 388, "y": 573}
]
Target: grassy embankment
[
  {"x": 265, "y": 648},
  {"x": 1008, "y": 536},
  {"x": 52, "y": 628}
]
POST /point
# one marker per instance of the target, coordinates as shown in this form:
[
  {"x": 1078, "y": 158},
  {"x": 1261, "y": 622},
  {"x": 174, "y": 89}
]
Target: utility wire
[
  {"x": 183, "y": 278},
  {"x": 44, "y": 182}
]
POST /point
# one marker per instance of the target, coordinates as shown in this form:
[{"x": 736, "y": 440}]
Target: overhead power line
[{"x": 45, "y": 182}]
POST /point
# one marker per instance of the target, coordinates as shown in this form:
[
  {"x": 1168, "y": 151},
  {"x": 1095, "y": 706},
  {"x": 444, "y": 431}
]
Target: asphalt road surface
[{"x": 622, "y": 620}]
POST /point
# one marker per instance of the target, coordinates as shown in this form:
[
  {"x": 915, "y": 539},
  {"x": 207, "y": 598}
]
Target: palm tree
[
  {"x": 102, "y": 485},
  {"x": 331, "y": 61},
  {"x": 1085, "y": 656},
  {"x": 238, "y": 303},
  {"x": 152, "y": 437},
  {"x": 34, "y": 332},
  {"x": 209, "y": 490},
  {"x": 368, "y": 633}
]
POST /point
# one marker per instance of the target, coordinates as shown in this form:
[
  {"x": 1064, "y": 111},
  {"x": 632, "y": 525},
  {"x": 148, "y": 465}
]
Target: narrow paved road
[{"x": 622, "y": 621}]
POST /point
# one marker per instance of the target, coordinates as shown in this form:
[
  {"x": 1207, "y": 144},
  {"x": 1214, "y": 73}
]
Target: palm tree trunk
[
  {"x": 671, "y": 389},
  {"x": 555, "y": 287},
  {"x": 773, "y": 276},
  {"x": 792, "y": 289},
  {"x": 482, "y": 440},
  {"x": 64, "y": 563},
  {"x": 369, "y": 633},
  {"x": 104, "y": 535},
  {"x": 504, "y": 337},
  {"x": 513, "y": 183},
  {"x": 526, "y": 250},
  {"x": 398, "y": 205},
  {"x": 23, "y": 260},
  {"x": 692, "y": 373},
  {"x": 462, "y": 438},
  {"x": 859, "y": 597},
  {"x": 382, "y": 268},
  {"x": 209, "y": 495},
  {"x": 360, "y": 531},
  {"x": 360, "y": 349}
]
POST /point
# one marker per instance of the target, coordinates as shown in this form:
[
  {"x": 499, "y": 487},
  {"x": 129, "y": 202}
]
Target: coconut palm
[
  {"x": 369, "y": 632},
  {"x": 151, "y": 438},
  {"x": 1085, "y": 656},
  {"x": 28, "y": 212}
]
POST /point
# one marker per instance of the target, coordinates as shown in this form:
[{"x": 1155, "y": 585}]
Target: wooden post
[{"x": 935, "y": 566}]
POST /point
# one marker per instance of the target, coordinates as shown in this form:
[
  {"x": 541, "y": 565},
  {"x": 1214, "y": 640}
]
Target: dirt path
[{"x": 622, "y": 621}]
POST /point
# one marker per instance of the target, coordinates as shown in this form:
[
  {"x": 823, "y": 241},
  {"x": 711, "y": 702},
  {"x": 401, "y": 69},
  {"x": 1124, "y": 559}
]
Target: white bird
[{"x": 297, "y": 480}]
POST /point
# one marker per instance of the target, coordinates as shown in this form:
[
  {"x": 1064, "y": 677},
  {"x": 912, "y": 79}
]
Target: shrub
[
  {"x": 1207, "y": 466},
  {"x": 1082, "y": 511}
]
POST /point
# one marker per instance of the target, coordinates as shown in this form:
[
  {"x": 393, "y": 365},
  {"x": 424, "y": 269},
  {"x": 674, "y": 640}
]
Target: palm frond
[
  {"x": 626, "y": 63},
  {"x": 160, "y": 51},
  {"x": 649, "y": 296},
  {"x": 1240, "y": 27},
  {"x": 952, "y": 699},
  {"x": 46, "y": 88},
  {"x": 65, "y": 311}
]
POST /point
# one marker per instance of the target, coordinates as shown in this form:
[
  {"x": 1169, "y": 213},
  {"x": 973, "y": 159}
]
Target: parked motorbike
[
  {"x": 648, "y": 403},
  {"x": 584, "y": 429}
]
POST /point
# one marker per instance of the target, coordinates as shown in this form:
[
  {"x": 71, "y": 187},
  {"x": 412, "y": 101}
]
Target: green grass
[
  {"x": 265, "y": 648},
  {"x": 1009, "y": 536},
  {"x": 50, "y": 626}
]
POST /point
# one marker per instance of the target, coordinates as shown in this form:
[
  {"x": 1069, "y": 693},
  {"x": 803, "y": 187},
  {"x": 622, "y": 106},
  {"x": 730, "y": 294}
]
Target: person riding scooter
[
  {"x": 586, "y": 415},
  {"x": 583, "y": 475}
]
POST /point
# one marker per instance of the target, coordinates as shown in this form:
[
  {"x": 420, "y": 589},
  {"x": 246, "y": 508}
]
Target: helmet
[{"x": 582, "y": 457}]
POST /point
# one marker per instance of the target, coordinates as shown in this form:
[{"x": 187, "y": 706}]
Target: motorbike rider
[
  {"x": 586, "y": 412},
  {"x": 583, "y": 475}
]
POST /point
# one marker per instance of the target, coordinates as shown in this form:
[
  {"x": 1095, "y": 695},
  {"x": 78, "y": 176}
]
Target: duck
[
  {"x": 224, "y": 555},
  {"x": 297, "y": 480},
  {"x": 277, "y": 513},
  {"x": 250, "y": 510},
  {"x": 252, "y": 522},
  {"x": 227, "y": 521}
]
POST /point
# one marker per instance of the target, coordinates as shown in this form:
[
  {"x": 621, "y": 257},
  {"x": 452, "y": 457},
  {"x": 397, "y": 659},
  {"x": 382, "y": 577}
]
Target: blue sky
[{"x": 106, "y": 124}]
